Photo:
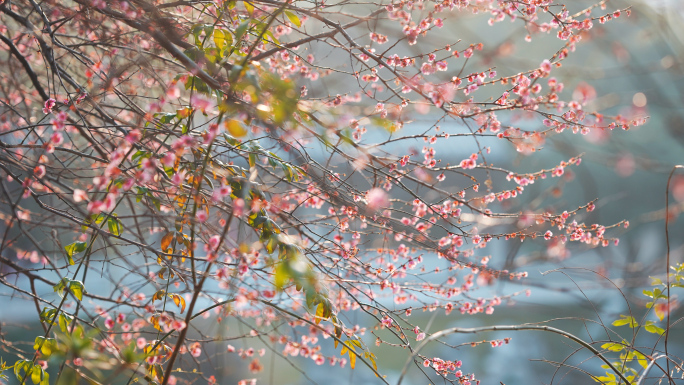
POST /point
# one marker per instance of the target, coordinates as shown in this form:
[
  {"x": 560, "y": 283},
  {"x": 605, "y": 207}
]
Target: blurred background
[{"x": 631, "y": 66}]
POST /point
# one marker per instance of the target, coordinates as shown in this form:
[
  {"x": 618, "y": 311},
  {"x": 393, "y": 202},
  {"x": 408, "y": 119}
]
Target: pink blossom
[
  {"x": 39, "y": 171},
  {"x": 377, "y": 199},
  {"x": 178, "y": 325},
  {"x": 427, "y": 68},
  {"x": 546, "y": 66},
  {"x": 195, "y": 350},
  {"x": 238, "y": 207},
  {"x": 201, "y": 216},
  {"x": 169, "y": 159},
  {"x": 49, "y": 105}
]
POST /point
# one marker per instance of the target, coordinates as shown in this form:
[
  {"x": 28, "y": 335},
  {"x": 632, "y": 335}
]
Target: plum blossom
[
  {"x": 377, "y": 198},
  {"x": 49, "y": 105}
]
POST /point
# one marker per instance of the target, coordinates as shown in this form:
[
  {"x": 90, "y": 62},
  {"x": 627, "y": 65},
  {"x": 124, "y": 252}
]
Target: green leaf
[
  {"x": 115, "y": 226},
  {"x": 293, "y": 18},
  {"x": 46, "y": 345},
  {"x": 137, "y": 155},
  {"x": 310, "y": 298},
  {"x": 241, "y": 30},
  {"x": 625, "y": 320},
  {"x": 288, "y": 172},
  {"x": 76, "y": 287},
  {"x": 197, "y": 30},
  {"x": 61, "y": 286},
  {"x": 101, "y": 217},
  {"x": 223, "y": 39},
  {"x": 643, "y": 361},
  {"x": 74, "y": 248},
  {"x": 63, "y": 323},
  {"x": 608, "y": 379},
  {"x": 156, "y": 203},
  {"x": 652, "y": 328},
  {"x": 270, "y": 242},
  {"x": 271, "y": 36},
  {"x": 613, "y": 346},
  {"x": 198, "y": 85},
  {"x": 166, "y": 118},
  {"x": 39, "y": 341},
  {"x": 231, "y": 140},
  {"x": 48, "y": 314},
  {"x": 282, "y": 275}
]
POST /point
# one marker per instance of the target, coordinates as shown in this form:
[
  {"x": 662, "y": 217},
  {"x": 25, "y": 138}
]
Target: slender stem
[
  {"x": 457, "y": 330},
  {"x": 667, "y": 263},
  {"x": 648, "y": 369},
  {"x": 189, "y": 317}
]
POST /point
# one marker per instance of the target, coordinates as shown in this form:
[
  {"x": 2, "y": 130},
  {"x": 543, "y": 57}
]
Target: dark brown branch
[{"x": 27, "y": 67}]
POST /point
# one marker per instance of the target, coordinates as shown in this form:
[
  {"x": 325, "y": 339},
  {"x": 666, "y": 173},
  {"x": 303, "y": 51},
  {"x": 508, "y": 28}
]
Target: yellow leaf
[
  {"x": 352, "y": 360},
  {"x": 249, "y": 7},
  {"x": 36, "y": 374},
  {"x": 320, "y": 311},
  {"x": 155, "y": 323},
  {"x": 372, "y": 358},
  {"x": 293, "y": 18},
  {"x": 184, "y": 112},
  {"x": 235, "y": 128}
]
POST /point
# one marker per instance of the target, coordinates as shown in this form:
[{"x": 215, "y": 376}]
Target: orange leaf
[
  {"x": 166, "y": 241},
  {"x": 155, "y": 323},
  {"x": 179, "y": 301},
  {"x": 158, "y": 295}
]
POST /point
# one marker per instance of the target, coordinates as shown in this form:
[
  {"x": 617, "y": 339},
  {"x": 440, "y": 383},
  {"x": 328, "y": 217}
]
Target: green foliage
[
  {"x": 625, "y": 320},
  {"x": 24, "y": 369},
  {"x": 73, "y": 249},
  {"x": 51, "y": 316},
  {"x": 3, "y": 367},
  {"x": 628, "y": 353},
  {"x": 75, "y": 287},
  {"x": 293, "y": 18}
]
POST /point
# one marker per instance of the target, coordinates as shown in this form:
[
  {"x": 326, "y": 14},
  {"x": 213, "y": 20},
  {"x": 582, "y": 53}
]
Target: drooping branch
[{"x": 523, "y": 327}]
